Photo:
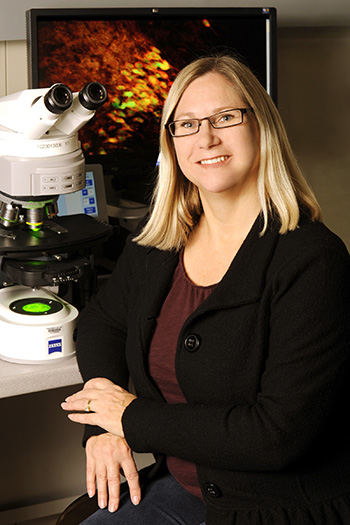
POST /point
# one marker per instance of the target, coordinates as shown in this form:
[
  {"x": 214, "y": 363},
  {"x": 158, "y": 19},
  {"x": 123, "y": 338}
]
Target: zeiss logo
[{"x": 55, "y": 346}]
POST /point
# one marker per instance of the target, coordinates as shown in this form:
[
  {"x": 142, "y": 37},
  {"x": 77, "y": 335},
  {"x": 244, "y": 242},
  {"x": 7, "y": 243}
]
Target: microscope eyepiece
[
  {"x": 93, "y": 95},
  {"x": 58, "y": 98}
]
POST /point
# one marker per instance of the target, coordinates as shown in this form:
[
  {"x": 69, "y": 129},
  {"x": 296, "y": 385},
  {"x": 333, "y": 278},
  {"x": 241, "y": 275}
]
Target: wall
[
  {"x": 297, "y": 13},
  {"x": 314, "y": 100},
  {"x": 13, "y": 67}
]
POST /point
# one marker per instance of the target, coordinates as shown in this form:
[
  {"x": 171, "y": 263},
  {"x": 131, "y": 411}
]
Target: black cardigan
[{"x": 263, "y": 363}]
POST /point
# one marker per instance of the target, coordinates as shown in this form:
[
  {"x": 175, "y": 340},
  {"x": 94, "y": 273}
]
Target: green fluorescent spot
[{"x": 36, "y": 308}]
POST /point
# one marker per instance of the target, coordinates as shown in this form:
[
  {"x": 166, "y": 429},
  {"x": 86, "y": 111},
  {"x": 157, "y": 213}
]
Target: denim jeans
[{"x": 164, "y": 501}]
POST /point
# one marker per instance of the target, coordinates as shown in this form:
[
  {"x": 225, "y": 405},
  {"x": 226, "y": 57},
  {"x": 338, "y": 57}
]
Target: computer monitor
[{"x": 136, "y": 53}]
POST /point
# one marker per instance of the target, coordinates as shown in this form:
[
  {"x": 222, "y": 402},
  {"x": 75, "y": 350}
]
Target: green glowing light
[{"x": 36, "y": 308}]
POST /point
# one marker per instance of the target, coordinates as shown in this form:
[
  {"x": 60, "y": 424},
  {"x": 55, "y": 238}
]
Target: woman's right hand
[{"x": 106, "y": 455}]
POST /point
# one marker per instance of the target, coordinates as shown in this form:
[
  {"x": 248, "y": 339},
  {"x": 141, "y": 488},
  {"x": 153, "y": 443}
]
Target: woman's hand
[
  {"x": 103, "y": 404},
  {"x": 106, "y": 455}
]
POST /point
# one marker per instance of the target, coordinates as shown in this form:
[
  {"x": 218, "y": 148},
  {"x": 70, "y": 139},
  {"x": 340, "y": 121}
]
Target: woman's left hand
[{"x": 103, "y": 404}]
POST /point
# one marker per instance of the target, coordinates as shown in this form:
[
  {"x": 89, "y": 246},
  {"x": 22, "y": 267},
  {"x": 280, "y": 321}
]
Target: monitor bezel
[{"x": 35, "y": 15}]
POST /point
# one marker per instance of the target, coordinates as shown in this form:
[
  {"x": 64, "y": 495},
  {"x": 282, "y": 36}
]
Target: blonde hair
[{"x": 282, "y": 188}]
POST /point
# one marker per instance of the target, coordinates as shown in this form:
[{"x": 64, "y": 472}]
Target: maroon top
[{"x": 183, "y": 298}]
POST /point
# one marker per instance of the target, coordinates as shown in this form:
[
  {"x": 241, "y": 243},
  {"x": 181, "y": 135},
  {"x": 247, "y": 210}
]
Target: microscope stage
[{"x": 59, "y": 235}]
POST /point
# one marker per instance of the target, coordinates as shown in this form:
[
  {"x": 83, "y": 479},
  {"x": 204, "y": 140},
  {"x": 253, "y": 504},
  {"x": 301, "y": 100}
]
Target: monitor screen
[
  {"x": 91, "y": 200},
  {"x": 136, "y": 53}
]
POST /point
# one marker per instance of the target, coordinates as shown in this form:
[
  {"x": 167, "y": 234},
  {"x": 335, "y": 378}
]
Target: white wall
[
  {"x": 290, "y": 13},
  {"x": 13, "y": 67}
]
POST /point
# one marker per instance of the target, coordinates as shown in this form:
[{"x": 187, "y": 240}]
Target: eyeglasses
[{"x": 224, "y": 119}]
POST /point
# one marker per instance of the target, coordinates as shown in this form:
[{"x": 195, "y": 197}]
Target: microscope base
[{"x": 36, "y": 326}]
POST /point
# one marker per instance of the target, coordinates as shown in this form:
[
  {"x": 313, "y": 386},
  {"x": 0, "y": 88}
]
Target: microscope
[{"x": 41, "y": 159}]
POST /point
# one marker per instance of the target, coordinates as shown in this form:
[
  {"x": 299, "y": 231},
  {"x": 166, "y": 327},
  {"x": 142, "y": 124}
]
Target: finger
[
  {"x": 102, "y": 487},
  {"x": 132, "y": 478},
  {"x": 86, "y": 419},
  {"x": 81, "y": 404},
  {"x": 113, "y": 475},
  {"x": 76, "y": 395},
  {"x": 83, "y": 394},
  {"x": 90, "y": 474}
]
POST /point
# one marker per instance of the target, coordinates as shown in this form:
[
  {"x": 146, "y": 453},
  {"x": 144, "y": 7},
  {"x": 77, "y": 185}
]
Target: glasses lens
[
  {"x": 224, "y": 119},
  {"x": 180, "y": 128},
  {"x": 232, "y": 117}
]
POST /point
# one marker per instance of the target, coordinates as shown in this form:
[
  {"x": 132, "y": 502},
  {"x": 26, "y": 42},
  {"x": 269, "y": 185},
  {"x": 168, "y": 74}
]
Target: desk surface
[{"x": 16, "y": 379}]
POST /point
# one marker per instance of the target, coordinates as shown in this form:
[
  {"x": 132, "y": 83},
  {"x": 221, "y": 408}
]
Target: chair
[{"x": 78, "y": 511}]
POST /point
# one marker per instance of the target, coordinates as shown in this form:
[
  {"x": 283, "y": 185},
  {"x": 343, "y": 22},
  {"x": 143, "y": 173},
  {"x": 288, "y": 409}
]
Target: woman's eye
[
  {"x": 187, "y": 124},
  {"x": 226, "y": 118}
]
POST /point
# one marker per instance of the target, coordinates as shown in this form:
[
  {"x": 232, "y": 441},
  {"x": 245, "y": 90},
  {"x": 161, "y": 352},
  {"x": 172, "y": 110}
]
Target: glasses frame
[{"x": 243, "y": 111}]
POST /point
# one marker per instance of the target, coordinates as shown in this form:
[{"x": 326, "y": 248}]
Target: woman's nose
[{"x": 207, "y": 135}]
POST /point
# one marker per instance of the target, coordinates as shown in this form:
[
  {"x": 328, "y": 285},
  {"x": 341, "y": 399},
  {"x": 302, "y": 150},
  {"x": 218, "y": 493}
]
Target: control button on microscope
[
  {"x": 49, "y": 179},
  {"x": 51, "y": 187},
  {"x": 192, "y": 343}
]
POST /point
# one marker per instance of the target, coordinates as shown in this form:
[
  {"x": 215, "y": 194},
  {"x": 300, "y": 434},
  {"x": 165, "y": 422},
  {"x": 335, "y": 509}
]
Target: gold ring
[{"x": 88, "y": 409}]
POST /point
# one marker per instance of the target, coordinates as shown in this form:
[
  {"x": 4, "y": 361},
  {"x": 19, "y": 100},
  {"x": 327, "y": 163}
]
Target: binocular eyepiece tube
[
  {"x": 85, "y": 103},
  {"x": 58, "y": 98},
  {"x": 60, "y": 109},
  {"x": 93, "y": 95}
]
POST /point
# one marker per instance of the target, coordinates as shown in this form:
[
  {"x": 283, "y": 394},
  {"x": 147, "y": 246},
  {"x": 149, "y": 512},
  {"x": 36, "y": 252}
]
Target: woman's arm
[
  {"x": 308, "y": 365},
  {"x": 103, "y": 324},
  {"x": 306, "y": 368}
]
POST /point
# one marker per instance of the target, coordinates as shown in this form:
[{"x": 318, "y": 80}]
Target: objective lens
[
  {"x": 8, "y": 214},
  {"x": 93, "y": 95},
  {"x": 51, "y": 210},
  {"x": 58, "y": 98},
  {"x": 34, "y": 218}
]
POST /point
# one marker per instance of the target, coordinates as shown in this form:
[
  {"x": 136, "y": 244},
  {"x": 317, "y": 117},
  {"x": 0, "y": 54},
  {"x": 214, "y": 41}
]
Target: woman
[{"x": 229, "y": 311}]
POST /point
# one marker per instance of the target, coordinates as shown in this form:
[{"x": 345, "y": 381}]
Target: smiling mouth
[{"x": 216, "y": 160}]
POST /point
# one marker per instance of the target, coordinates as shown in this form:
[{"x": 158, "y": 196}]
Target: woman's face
[{"x": 217, "y": 160}]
